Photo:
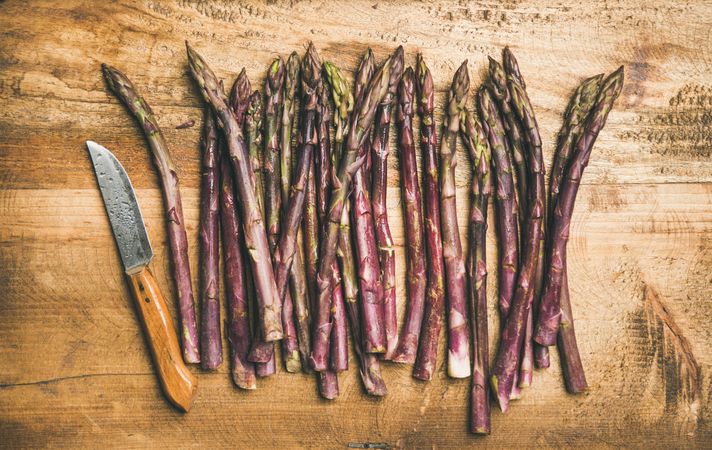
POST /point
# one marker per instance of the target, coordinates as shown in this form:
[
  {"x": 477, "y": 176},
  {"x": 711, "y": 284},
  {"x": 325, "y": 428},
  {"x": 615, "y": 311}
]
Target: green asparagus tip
[
  {"x": 619, "y": 72},
  {"x": 108, "y": 74},
  {"x": 274, "y": 67},
  {"x": 293, "y": 65},
  {"x": 193, "y": 58},
  {"x": 613, "y": 80}
]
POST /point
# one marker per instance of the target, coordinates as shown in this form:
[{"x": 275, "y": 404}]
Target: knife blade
[
  {"x": 122, "y": 208},
  {"x": 131, "y": 237}
]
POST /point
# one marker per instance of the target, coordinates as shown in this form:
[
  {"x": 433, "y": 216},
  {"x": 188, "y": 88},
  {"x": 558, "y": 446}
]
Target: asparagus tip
[{"x": 461, "y": 82}]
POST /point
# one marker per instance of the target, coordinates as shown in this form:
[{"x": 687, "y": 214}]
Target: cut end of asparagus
[
  {"x": 423, "y": 373},
  {"x": 525, "y": 380},
  {"x": 502, "y": 397},
  {"x": 541, "y": 357},
  {"x": 328, "y": 385},
  {"x": 242, "y": 381},
  {"x": 516, "y": 393},
  {"x": 457, "y": 366},
  {"x": 292, "y": 363}
]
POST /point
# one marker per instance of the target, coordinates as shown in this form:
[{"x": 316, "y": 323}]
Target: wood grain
[{"x": 74, "y": 368}]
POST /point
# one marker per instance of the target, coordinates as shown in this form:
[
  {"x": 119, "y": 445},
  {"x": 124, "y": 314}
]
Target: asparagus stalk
[
  {"x": 369, "y": 367},
  {"x": 210, "y": 338},
  {"x": 379, "y": 188},
  {"x": 369, "y": 272},
  {"x": 541, "y": 353},
  {"x": 498, "y": 87},
  {"x": 263, "y": 352},
  {"x": 506, "y": 362},
  {"x": 255, "y": 234},
  {"x": 323, "y": 154},
  {"x": 339, "y": 336},
  {"x": 297, "y": 191},
  {"x": 549, "y": 309},
  {"x": 297, "y": 275},
  {"x": 287, "y": 248},
  {"x": 272, "y": 190},
  {"x": 269, "y": 368},
  {"x": 238, "y": 333},
  {"x": 458, "y": 328},
  {"x": 504, "y": 198},
  {"x": 476, "y": 143},
  {"x": 253, "y": 132},
  {"x": 239, "y": 102},
  {"x": 435, "y": 294},
  {"x": 177, "y": 239},
  {"x": 237, "y": 270},
  {"x": 310, "y": 223},
  {"x": 576, "y": 112},
  {"x": 501, "y": 92},
  {"x": 328, "y": 385},
  {"x": 339, "y": 350},
  {"x": 291, "y": 81},
  {"x": 413, "y": 217},
  {"x": 351, "y": 160}
]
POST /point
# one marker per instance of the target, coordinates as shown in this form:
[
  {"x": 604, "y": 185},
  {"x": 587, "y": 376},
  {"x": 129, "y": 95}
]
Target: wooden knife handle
[{"x": 177, "y": 381}]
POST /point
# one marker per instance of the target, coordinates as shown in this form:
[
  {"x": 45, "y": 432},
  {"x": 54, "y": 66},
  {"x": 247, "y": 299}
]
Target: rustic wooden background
[{"x": 74, "y": 371}]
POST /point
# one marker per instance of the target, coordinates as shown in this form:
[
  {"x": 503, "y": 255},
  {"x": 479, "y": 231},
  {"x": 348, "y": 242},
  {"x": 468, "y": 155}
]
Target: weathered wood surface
[{"x": 74, "y": 369}]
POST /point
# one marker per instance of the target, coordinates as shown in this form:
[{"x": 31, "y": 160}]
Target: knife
[{"x": 177, "y": 381}]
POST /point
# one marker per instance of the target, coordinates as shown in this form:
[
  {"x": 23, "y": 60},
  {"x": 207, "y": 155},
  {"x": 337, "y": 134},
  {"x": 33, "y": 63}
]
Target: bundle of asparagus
[{"x": 289, "y": 245}]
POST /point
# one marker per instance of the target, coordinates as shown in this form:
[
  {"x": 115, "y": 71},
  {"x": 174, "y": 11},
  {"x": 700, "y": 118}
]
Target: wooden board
[{"x": 74, "y": 371}]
